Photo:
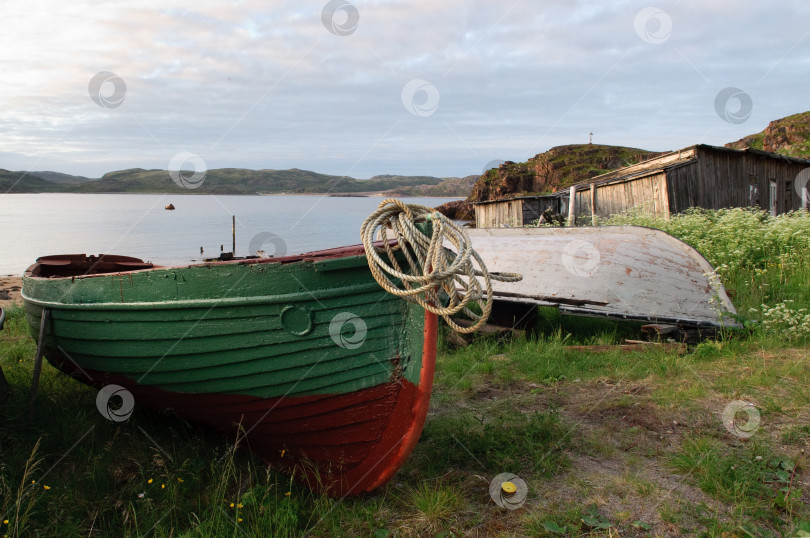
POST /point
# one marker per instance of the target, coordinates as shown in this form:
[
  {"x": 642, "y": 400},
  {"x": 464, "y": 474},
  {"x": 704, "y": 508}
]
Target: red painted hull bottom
[{"x": 343, "y": 444}]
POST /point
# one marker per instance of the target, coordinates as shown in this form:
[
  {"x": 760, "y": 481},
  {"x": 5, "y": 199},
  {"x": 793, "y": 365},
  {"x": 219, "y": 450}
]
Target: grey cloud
[{"x": 260, "y": 84}]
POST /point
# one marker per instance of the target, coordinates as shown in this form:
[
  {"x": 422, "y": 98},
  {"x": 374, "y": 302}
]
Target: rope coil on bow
[{"x": 429, "y": 266}]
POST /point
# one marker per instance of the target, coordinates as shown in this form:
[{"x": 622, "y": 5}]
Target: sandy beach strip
[{"x": 10, "y": 290}]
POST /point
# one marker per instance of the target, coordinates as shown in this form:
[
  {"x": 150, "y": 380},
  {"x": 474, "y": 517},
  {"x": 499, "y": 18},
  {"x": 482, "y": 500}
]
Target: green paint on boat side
[{"x": 257, "y": 329}]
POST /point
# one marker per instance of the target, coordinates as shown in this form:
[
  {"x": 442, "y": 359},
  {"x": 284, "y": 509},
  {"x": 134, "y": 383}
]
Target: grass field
[{"x": 609, "y": 444}]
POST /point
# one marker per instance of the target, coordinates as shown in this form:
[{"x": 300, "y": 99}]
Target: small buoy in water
[{"x": 170, "y": 206}]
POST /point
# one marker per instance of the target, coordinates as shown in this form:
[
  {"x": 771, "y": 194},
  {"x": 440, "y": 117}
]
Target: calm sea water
[{"x": 33, "y": 225}]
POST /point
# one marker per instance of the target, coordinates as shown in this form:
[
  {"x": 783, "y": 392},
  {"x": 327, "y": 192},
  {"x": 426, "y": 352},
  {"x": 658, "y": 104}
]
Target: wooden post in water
[
  {"x": 572, "y": 205},
  {"x": 233, "y": 233}
]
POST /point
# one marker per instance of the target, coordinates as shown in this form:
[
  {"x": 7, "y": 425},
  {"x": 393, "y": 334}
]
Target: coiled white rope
[{"x": 430, "y": 266}]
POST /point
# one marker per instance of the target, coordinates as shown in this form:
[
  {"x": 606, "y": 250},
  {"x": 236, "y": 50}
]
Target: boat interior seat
[{"x": 62, "y": 265}]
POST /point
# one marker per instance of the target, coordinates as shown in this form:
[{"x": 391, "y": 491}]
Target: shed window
[
  {"x": 753, "y": 191},
  {"x": 773, "y": 198}
]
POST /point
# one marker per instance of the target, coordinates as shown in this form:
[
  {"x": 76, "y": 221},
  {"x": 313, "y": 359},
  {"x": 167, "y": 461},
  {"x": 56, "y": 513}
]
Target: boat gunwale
[
  {"x": 349, "y": 251},
  {"x": 337, "y": 253}
]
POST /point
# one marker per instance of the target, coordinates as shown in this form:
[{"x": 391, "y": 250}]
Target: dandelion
[
  {"x": 47, "y": 487},
  {"x": 239, "y": 505},
  {"x": 149, "y": 481},
  {"x": 231, "y": 505}
]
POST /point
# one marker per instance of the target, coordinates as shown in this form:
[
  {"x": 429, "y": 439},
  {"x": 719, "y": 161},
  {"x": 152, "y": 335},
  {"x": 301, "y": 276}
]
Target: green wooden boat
[{"x": 325, "y": 374}]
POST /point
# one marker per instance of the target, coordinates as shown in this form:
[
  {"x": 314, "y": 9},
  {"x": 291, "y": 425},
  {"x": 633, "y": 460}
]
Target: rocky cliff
[
  {"x": 788, "y": 136},
  {"x": 557, "y": 168}
]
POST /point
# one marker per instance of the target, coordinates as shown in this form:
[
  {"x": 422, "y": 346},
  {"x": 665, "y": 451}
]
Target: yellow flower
[
  {"x": 149, "y": 481},
  {"x": 47, "y": 487},
  {"x": 288, "y": 493},
  {"x": 163, "y": 486},
  {"x": 231, "y": 505},
  {"x": 239, "y": 505},
  {"x": 5, "y": 522},
  {"x": 180, "y": 480},
  {"x": 239, "y": 519},
  {"x": 33, "y": 481}
]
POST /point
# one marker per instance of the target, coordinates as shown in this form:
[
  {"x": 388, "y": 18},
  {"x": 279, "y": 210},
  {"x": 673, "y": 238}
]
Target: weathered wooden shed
[{"x": 704, "y": 176}]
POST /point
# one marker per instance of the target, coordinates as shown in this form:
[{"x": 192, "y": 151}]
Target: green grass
[
  {"x": 527, "y": 409},
  {"x": 433, "y": 506},
  {"x": 756, "y": 483},
  {"x": 609, "y": 443},
  {"x": 496, "y": 441}
]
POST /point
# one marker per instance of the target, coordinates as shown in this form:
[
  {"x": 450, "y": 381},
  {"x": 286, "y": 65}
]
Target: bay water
[{"x": 33, "y": 225}]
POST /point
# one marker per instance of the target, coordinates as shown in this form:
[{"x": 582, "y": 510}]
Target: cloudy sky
[{"x": 372, "y": 87}]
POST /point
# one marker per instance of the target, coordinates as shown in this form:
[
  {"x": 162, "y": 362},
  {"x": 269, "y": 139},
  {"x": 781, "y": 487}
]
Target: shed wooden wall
[
  {"x": 684, "y": 187},
  {"x": 649, "y": 192},
  {"x": 721, "y": 179},
  {"x": 506, "y": 213}
]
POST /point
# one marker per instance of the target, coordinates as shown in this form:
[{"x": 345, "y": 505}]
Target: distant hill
[
  {"x": 235, "y": 181},
  {"x": 58, "y": 177},
  {"x": 25, "y": 182},
  {"x": 788, "y": 136}
]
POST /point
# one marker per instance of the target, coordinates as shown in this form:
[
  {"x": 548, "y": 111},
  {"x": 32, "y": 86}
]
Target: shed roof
[{"x": 676, "y": 159}]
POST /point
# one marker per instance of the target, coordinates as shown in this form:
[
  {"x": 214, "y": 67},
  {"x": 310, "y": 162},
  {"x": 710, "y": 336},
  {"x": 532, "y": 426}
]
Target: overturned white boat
[{"x": 620, "y": 272}]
